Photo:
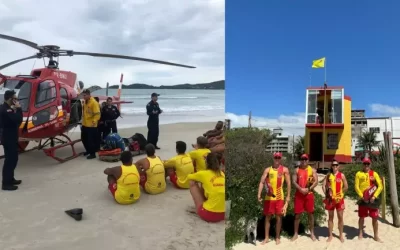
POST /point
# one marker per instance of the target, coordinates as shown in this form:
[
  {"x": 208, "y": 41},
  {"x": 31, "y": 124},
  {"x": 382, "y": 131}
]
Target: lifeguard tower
[{"x": 328, "y": 125}]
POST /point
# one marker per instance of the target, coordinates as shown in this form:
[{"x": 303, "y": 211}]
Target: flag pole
[
  {"x": 324, "y": 142},
  {"x": 310, "y": 75}
]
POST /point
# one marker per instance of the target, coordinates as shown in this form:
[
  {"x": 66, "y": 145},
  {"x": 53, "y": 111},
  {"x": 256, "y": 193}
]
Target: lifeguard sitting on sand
[
  {"x": 200, "y": 153},
  {"x": 218, "y": 130},
  {"x": 179, "y": 167},
  {"x": 123, "y": 181},
  {"x": 209, "y": 199},
  {"x": 152, "y": 175}
]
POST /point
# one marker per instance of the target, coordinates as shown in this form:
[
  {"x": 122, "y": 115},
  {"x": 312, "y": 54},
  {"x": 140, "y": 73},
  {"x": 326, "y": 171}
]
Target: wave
[
  {"x": 163, "y": 97},
  {"x": 131, "y": 110}
]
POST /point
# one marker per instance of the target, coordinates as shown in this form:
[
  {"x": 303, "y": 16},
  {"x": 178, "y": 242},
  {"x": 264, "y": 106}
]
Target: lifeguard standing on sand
[
  {"x": 368, "y": 186},
  {"x": 274, "y": 177},
  {"x": 305, "y": 179},
  {"x": 334, "y": 188}
]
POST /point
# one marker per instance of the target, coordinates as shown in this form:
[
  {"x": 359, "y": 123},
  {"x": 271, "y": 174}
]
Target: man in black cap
[
  {"x": 153, "y": 110},
  {"x": 10, "y": 120}
]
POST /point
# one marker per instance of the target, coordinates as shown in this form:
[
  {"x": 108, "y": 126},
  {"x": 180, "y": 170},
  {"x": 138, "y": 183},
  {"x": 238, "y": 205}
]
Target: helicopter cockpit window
[
  {"x": 64, "y": 97},
  {"x": 46, "y": 93},
  {"x": 23, "y": 90}
]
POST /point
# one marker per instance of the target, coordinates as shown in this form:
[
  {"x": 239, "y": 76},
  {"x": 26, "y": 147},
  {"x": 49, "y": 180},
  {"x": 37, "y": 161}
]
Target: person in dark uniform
[
  {"x": 109, "y": 116},
  {"x": 10, "y": 120},
  {"x": 153, "y": 111}
]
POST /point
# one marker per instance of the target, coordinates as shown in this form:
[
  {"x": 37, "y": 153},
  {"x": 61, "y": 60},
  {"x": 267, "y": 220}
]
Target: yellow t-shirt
[
  {"x": 183, "y": 166},
  {"x": 277, "y": 186},
  {"x": 199, "y": 157},
  {"x": 91, "y": 113},
  {"x": 155, "y": 183},
  {"x": 214, "y": 189},
  {"x": 128, "y": 189},
  {"x": 362, "y": 182}
]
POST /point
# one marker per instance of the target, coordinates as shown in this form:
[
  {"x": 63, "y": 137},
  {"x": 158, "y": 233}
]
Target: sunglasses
[
  {"x": 335, "y": 165},
  {"x": 304, "y": 159},
  {"x": 367, "y": 164},
  {"x": 277, "y": 158}
]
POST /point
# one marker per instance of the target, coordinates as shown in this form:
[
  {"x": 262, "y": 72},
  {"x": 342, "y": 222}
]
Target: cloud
[
  {"x": 186, "y": 32},
  {"x": 291, "y": 124},
  {"x": 384, "y": 110}
]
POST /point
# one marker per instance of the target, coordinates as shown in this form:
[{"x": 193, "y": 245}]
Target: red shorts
[
  {"x": 364, "y": 211},
  {"x": 174, "y": 179},
  {"x": 335, "y": 205},
  {"x": 143, "y": 180},
  {"x": 210, "y": 216},
  {"x": 273, "y": 207},
  {"x": 303, "y": 203},
  {"x": 112, "y": 187}
]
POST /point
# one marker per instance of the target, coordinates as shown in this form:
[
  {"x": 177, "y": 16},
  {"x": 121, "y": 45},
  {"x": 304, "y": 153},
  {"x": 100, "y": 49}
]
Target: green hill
[{"x": 212, "y": 85}]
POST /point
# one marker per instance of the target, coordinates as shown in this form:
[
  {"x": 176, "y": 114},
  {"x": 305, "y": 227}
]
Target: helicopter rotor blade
[
  {"x": 17, "y": 61},
  {"x": 19, "y": 40},
  {"x": 129, "y": 58}
]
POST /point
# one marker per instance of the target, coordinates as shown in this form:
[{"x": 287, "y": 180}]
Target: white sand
[
  {"x": 388, "y": 234},
  {"x": 33, "y": 217}
]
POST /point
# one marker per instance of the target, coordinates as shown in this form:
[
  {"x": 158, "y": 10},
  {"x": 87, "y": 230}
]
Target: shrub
[{"x": 246, "y": 160}]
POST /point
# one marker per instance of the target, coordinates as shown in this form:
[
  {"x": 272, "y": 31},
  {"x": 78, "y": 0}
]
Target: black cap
[{"x": 154, "y": 94}]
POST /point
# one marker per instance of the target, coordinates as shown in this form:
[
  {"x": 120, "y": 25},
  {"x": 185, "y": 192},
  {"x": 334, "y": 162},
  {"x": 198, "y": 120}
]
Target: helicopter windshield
[{"x": 21, "y": 88}]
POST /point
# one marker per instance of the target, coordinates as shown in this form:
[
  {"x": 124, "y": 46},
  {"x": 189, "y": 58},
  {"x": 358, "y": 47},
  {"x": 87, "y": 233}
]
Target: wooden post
[
  {"x": 250, "y": 119},
  {"x": 227, "y": 124},
  {"x": 384, "y": 198},
  {"x": 394, "y": 200}
]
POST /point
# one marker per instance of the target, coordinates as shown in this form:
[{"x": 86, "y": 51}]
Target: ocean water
[{"x": 177, "y": 105}]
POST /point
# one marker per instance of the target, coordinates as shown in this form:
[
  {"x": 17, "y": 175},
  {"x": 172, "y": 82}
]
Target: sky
[
  {"x": 270, "y": 46},
  {"x": 185, "y": 32}
]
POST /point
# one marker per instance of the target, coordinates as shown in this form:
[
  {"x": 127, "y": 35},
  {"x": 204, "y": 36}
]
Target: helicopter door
[{"x": 45, "y": 103}]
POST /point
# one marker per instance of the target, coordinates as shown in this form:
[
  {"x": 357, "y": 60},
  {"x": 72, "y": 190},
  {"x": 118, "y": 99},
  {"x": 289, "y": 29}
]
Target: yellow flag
[{"x": 319, "y": 63}]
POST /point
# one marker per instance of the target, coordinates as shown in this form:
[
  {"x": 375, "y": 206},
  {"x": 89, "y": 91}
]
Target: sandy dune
[
  {"x": 388, "y": 234},
  {"x": 33, "y": 217}
]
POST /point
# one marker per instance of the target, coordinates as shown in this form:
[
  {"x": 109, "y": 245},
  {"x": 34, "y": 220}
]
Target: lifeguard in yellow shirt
[
  {"x": 368, "y": 186},
  {"x": 123, "y": 181},
  {"x": 152, "y": 172},
  {"x": 209, "y": 199},
  {"x": 90, "y": 118},
  {"x": 200, "y": 153},
  {"x": 179, "y": 167}
]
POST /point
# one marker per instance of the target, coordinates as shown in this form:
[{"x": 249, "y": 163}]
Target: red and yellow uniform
[
  {"x": 335, "y": 183},
  {"x": 126, "y": 190},
  {"x": 363, "y": 181},
  {"x": 199, "y": 157},
  {"x": 213, "y": 183},
  {"x": 183, "y": 165},
  {"x": 274, "y": 201},
  {"x": 304, "y": 202},
  {"x": 154, "y": 180}
]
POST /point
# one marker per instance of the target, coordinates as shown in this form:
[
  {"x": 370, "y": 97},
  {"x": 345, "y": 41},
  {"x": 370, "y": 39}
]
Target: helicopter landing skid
[{"x": 51, "y": 151}]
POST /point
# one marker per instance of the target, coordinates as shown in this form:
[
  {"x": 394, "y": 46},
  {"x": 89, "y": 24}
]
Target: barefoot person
[
  {"x": 209, "y": 199},
  {"x": 305, "y": 179},
  {"x": 152, "y": 172},
  {"x": 367, "y": 180},
  {"x": 179, "y": 167},
  {"x": 123, "y": 181},
  {"x": 335, "y": 186},
  {"x": 200, "y": 153},
  {"x": 274, "y": 177}
]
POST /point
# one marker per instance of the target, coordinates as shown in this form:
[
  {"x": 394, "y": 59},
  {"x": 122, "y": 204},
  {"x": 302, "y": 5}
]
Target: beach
[
  {"x": 387, "y": 233},
  {"x": 178, "y": 105},
  {"x": 33, "y": 217}
]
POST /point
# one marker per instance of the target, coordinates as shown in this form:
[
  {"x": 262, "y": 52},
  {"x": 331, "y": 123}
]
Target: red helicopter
[{"x": 50, "y": 98}]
